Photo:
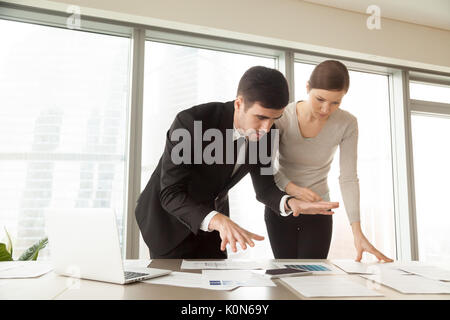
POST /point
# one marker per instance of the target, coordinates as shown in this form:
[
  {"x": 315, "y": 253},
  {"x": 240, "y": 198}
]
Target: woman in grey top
[{"x": 310, "y": 132}]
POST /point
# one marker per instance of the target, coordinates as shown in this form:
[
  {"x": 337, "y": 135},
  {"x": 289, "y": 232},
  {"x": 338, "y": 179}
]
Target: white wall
[{"x": 290, "y": 23}]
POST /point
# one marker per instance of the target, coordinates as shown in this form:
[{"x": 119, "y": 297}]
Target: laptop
[{"x": 84, "y": 243}]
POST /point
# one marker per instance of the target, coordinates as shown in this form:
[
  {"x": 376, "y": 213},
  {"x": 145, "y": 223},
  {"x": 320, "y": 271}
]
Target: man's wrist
[
  {"x": 205, "y": 225},
  {"x": 288, "y": 207},
  {"x": 214, "y": 222},
  {"x": 284, "y": 211}
]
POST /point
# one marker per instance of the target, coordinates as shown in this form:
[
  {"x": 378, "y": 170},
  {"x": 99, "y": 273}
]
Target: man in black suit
[{"x": 183, "y": 212}]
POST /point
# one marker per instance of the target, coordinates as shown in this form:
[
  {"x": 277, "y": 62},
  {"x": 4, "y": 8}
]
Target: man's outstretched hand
[
  {"x": 303, "y": 207},
  {"x": 230, "y": 232}
]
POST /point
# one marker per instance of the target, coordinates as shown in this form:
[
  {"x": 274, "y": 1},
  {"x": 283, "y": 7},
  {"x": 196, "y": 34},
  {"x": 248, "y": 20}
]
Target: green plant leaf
[
  {"x": 4, "y": 254},
  {"x": 9, "y": 245},
  {"x": 32, "y": 252}
]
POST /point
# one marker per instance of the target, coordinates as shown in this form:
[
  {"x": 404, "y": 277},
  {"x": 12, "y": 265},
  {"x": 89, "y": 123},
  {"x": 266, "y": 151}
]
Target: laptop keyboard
[{"x": 131, "y": 275}]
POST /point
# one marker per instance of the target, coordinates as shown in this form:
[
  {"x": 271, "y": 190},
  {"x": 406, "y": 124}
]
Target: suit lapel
[
  {"x": 241, "y": 171},
  {"x": 225, "y": 169}
]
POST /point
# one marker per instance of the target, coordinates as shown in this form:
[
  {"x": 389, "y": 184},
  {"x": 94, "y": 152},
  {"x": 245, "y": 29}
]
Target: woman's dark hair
[
  {"x": 266, "y": 86},
  {"x": 330, "y": 75}
]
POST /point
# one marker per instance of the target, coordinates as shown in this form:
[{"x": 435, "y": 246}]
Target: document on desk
[
  {"x": 23, "y": 269},
  {"x": 410, "y": 283},
  {"x": 233, "y": 264},
  {"x": 328, "y": 286},
  {"x": 316, "y": 267},
  {"x": 353, "y": 267},
  {"x": 428, "y": 271},
  {"x": 189, "y": 280},
  {"x": 240, "y": 278}
]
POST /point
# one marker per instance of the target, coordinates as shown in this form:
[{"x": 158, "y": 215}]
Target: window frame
[
  {"x": 59, "y": 20},
  {"x": 427, "y": 108}
]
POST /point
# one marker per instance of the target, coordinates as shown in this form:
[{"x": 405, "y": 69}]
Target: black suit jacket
[{"x": 178, "y": 197}]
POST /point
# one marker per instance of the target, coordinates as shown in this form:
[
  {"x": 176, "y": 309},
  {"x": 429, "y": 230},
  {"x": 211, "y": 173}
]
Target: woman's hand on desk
[
  {"x": 230, "y": 232},
  {"x": 362, "y": 244},
  {"x": 303, "y": 194},
  {"x": 321, "y": 207}
]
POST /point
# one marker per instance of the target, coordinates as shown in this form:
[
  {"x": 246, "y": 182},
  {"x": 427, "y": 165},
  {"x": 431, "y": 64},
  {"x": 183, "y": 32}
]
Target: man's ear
[{"x": 238, "y": 103}]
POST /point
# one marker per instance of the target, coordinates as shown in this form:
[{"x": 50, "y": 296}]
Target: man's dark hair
[{"x": 266, "y": 86}]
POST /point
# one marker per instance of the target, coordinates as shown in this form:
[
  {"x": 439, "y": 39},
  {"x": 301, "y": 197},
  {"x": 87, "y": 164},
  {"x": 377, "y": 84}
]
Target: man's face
[{"x": 256, "y": 121}]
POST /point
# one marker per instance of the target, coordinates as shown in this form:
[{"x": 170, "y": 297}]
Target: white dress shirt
[{"x": 241, "y": 156}]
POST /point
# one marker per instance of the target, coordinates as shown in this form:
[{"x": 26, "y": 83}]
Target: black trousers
[
  {"x": 204, "y": 245},
  {"x": 302, "y": 237}
]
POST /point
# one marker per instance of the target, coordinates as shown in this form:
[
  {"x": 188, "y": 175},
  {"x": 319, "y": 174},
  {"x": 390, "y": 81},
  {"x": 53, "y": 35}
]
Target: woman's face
[{"x": 324, "y": 102}]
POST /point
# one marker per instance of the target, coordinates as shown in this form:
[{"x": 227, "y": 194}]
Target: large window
[
  {"x": 430, "y": 134},
  {"x": 368, "y": 100},
  {"x": 179, "y": 77},
  {"x": 63, "y": 125}
]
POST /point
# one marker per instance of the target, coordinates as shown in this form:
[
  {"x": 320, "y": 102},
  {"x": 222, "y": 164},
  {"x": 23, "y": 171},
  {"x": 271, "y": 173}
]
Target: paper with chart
[
  {"x": 189, "y": 280},
  {"x": 328, "y": 286},
  {"x": 24, "y": 269},
  {"x": 222, "y": 264},
  {"x": 316, "y": 267},
  {"x": 241, "y": 278},
  {"x": 410, "y": 283}
]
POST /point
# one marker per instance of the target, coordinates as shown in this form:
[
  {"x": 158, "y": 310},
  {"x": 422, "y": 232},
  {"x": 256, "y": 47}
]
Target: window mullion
[
  {"x": 135, "y": 141},
  {"x": 403, "y": 168}
]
